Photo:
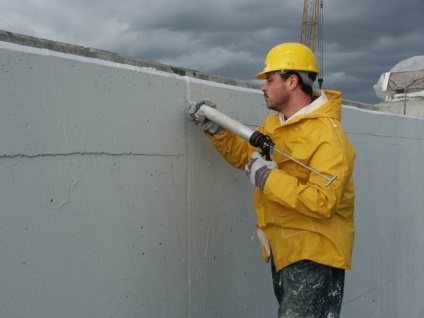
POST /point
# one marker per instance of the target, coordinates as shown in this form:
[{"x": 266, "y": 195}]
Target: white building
[{"x": 402, "y": 88}]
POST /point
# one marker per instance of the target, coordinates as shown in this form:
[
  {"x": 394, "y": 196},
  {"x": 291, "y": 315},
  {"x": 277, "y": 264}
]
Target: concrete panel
[
  {"x": 81, "y": 236},
  {"x": 227, "y": 275},
  {"x": 388, "y": 254},
  {"x": 92, "y": 193},
  {"x": 60, "y": 103}
]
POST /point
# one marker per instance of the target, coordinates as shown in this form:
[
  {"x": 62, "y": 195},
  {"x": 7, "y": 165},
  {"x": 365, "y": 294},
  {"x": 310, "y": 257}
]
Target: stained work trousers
[{"x": 308, "y": 290}]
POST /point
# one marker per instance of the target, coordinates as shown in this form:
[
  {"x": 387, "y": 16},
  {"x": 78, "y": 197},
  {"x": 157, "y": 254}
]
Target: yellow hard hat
[{"x": 289, "y": 57}]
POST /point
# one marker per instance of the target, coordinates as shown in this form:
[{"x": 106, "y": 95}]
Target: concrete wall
[
  {"x": 387, "y": 279},
  {"x": 112, "y": 204},
  {"x": 410, "y": 107}
]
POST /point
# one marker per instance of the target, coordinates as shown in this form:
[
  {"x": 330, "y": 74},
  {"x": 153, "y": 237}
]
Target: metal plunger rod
[
  {"x": 330, "y": 180},
  {"x": 255, "y": 138}
]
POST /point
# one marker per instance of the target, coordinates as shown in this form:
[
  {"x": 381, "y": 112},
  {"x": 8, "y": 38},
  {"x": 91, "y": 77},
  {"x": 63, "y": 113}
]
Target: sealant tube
[
  {"x": 255, "y": 138},
  {"x": 227, "y": 122}
]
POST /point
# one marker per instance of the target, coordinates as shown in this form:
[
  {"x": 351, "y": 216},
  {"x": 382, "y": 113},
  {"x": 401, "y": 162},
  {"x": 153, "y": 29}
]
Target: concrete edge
[
  {"x": 61, "y": 47},
  {"x": 31, "y": 41}
]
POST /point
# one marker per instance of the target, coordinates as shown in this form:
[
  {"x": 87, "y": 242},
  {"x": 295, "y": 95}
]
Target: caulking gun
[{"x": 254, "y": 137}]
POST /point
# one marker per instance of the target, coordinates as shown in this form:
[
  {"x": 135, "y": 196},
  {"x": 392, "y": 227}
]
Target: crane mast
[
  {"x": 312, "y": 9},
  {"x": 310, "y": 23}
]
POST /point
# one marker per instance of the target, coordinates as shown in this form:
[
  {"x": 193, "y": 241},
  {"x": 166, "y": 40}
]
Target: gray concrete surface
[
  {"x": 114, "y": 205},
  {"x": 413, "y": 107}
]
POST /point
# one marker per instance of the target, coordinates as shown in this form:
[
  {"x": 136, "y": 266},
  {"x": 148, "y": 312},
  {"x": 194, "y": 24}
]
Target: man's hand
[
  {"x": 200, "y": 119},
  {"x": 258, "y": 170}
]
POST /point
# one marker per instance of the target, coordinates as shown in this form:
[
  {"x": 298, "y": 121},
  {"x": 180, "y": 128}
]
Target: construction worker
[{"x": 305, "y": 225}]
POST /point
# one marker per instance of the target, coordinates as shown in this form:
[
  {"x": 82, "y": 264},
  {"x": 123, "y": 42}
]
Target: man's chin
[{"x": 270, "y": 106}]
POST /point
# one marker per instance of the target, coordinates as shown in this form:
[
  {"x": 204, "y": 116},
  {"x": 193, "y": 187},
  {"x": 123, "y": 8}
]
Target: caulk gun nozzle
[{"x": 198, "y": 104}]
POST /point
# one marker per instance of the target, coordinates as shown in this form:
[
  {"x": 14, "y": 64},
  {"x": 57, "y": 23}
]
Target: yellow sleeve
[{"x": 233, "y": 148}]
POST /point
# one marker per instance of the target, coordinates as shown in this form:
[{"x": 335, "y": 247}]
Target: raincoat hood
[{"x": 326, "y": 104}]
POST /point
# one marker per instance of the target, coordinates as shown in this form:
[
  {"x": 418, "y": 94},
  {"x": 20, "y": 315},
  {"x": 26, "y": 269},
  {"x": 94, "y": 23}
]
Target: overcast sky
[{"x": 361, "y": 38}]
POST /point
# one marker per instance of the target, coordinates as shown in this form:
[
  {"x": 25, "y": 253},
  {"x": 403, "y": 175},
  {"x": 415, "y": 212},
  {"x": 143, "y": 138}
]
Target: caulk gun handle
[
  {"x": 266, "y": 154},
  {"x": 262, "y": 141}
]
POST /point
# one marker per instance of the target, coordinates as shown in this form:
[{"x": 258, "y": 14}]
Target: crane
[{"x": 311, "y": 28}]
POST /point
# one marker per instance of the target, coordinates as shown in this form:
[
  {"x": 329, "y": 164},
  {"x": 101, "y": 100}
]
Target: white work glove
[
  {"x": 200, "y": 119},
  {"x": 258, "y": 170}
]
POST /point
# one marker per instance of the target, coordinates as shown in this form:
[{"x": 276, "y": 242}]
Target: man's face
[{"x": 275, "y": 91}]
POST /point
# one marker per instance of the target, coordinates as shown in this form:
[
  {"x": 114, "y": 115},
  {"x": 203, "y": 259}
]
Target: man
[{"x": 305, "y": 225}]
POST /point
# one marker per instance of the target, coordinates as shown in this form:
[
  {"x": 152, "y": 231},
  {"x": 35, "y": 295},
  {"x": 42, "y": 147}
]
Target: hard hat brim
[{"x": 261, "y": 76}]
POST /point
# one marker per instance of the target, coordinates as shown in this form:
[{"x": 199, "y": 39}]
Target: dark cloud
[
  {"x": 361, "y": 39},
  {"x": 367, "y": 39}
]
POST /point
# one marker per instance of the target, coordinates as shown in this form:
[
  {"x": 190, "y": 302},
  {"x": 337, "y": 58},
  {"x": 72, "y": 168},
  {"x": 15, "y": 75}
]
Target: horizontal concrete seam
[
  {"x": 11, "y": 156},
  {"x": 384, "y": 136}
]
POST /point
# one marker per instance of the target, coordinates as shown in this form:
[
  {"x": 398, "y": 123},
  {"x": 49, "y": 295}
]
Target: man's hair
[{"x": 305, "y": 88}]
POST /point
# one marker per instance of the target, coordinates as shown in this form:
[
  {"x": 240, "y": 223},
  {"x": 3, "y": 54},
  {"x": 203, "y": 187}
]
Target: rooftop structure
[{"x": 402, "y": 88}]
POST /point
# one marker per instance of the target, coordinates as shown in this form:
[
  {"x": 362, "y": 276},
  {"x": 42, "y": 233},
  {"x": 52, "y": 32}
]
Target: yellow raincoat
[{"x": 298, "y": 217}]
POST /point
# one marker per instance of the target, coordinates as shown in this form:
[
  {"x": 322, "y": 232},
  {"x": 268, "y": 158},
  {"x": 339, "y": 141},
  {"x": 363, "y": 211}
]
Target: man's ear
[{"x": 293, "y": 81}]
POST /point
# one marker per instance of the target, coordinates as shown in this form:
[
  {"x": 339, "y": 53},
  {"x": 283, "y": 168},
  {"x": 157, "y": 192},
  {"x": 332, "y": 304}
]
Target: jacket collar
[{"x": 325, "y": 104}]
